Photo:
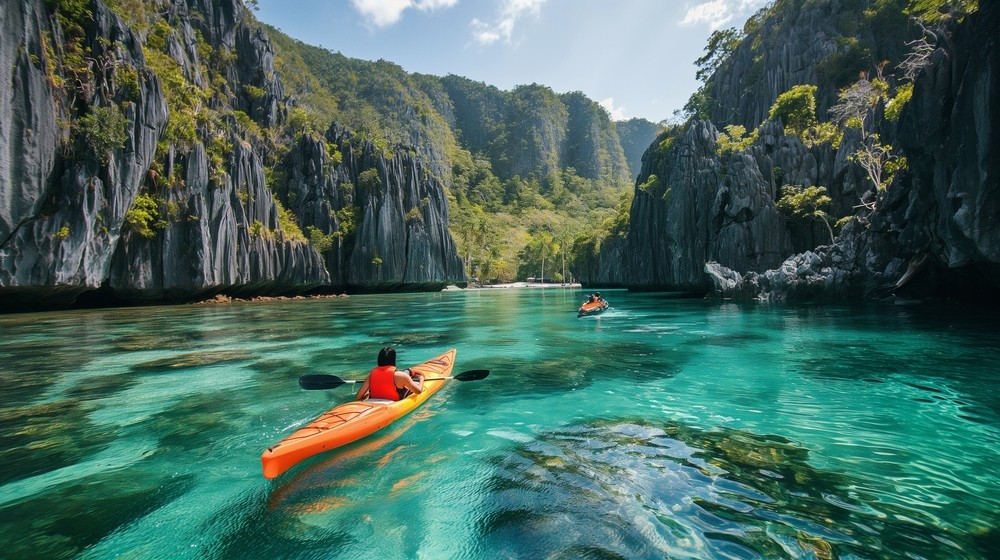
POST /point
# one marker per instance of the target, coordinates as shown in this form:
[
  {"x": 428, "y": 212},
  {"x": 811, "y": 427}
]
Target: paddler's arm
[
  {"x": 364, "y": 388},
  {"x": 415, "y": 386}
]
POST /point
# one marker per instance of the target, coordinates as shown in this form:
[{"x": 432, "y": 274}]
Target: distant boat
[{"x": 592, "y": 307}]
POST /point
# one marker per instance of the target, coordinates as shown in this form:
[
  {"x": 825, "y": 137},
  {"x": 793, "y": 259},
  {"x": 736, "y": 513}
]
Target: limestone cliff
[
  {"x": 386, "y": 215},
  {"x": 703, "y": 217},
  {"x": 696, "y": 205},
  {"x": 791, "y": 42},
  {"x": 934, "y": 232},
  {"x": 62, "y": 205},
  {"x": 137, "y": 159},
  {"x": 946, "y": 211}
]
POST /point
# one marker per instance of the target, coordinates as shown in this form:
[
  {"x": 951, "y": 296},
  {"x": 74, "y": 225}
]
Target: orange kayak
[
  {"x": 592, "y": 308},
  {"x": 352, "y": 421}
]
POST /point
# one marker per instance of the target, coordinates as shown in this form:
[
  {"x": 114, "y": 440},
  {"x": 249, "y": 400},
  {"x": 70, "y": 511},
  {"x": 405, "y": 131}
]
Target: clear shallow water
[{"x": 662, "y": 428}]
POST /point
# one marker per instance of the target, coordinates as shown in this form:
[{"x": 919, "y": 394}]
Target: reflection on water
[{"x": 663, "y": 427}]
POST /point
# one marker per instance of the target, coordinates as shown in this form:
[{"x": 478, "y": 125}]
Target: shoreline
[
  {"x": 572, "y": 285},
  {"x": 222, "y": 298}
]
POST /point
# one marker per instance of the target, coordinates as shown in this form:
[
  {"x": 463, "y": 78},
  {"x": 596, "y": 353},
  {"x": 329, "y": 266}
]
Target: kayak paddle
[{"x": 323, "y": 381}]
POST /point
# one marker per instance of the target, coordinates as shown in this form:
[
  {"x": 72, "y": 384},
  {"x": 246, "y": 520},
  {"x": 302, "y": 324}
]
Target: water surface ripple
[{"x": 663, "y": 428}]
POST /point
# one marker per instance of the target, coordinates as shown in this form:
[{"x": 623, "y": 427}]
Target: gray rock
[
  {"x": 64, "y": 228},
  {"x": 704, "y": 207},
  {"x": 62, "y": 208},
  {"x": 729, "y": 284},
  {"x": 401, "y": 240},
  {"x": 943, "y": 213}
]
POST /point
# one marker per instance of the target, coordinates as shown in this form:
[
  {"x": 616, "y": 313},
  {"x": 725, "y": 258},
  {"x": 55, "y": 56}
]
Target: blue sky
[{"x": 635, "y": 57}]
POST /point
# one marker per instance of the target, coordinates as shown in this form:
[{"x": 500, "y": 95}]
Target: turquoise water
[{"x": 664, "y": 428}]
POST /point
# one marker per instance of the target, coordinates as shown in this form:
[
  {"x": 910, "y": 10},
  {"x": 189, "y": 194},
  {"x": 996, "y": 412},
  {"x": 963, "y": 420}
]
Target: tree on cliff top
[
  {"x": 721, "y": 44},
  {"x": 808, "y": 203}
]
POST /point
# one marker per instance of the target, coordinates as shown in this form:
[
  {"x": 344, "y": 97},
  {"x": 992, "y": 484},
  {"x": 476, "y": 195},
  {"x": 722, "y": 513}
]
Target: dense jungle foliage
[{"x": 525, "y": 173}]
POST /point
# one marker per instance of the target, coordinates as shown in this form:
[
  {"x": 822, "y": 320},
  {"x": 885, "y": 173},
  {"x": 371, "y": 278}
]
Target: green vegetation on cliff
[
  {"x": 874, "y": 50},
  {"x": 528, "y": 170}
]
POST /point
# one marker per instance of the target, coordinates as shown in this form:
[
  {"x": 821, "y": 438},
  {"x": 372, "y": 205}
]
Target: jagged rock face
[
  {"x": 828, "y": 273},
  {"x": 729, "y": 284},
  {"x": 400, "y": 238},
  {"x": 702, "y": 207},
  {"x": 29, "y": 135},
  {"x": 784, "y": 160},
  {"x": 224, "y": 234},
  {"x": 64, "y": 229},
  {"x": 949, "y": 207},
  {"x": 803, "y": 44},
  {"x": 708, "y": 206},
  {"x": 224, "y": 26},
  {"x": 800, "y": 39},
  {"x": 225, "y": 238},
  {"x": 61, "y": 213},
  {"x": 934, "y": 233}
]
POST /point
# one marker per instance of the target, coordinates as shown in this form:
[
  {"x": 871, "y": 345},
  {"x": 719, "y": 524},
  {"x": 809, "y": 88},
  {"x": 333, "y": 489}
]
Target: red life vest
[{"x": 383, "y": 383}]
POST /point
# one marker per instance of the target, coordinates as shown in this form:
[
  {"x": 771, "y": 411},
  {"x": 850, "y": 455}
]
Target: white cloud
[
  {"x": 617, "y": 113},
  {"x": 715, "y": 14},
  {"x": 385, "y": 13},
  {"x": 718, "y": 13},
  {"x": 502, "y": 29}
]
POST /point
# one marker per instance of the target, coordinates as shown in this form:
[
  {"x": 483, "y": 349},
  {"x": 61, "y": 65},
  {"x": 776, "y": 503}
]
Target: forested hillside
[
  {"x": 169, "y": 150},
  {"x": 528, "y": 170}
]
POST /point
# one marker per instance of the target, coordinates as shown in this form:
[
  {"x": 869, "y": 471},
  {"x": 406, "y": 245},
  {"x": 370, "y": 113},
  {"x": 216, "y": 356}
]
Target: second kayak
[{"x": 592, "y": 308}]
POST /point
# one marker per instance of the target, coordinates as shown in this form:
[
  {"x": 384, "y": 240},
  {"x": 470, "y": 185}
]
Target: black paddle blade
[
  {"x": 472, "y": 375},
  {"x": 320, "y": 381}
]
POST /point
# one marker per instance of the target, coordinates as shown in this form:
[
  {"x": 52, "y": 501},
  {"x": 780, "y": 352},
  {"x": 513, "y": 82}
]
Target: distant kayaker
[{"x": 387, "y": 382}]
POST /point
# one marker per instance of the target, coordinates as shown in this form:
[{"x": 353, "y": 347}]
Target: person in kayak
[{"x": 387, "y": 382}]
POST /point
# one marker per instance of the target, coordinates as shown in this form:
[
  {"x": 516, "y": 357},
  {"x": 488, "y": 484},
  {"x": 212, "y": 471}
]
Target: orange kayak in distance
[
  {"x": 592, "y": 308},
  {"x": 351, "y": 421}
]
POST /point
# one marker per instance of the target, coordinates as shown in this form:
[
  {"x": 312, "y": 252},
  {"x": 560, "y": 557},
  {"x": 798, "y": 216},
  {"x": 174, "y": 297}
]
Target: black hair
[{"x": 387, "y": 356}]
